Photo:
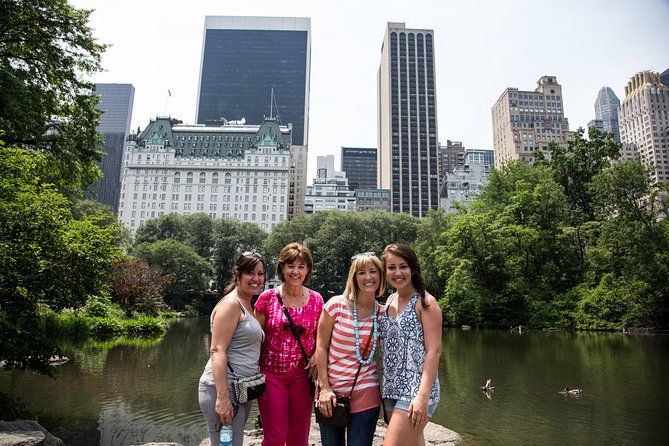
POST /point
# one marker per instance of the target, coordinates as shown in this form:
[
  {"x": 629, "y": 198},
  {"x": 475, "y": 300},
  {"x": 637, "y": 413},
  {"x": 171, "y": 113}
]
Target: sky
[{"x": 481, "y": 48}]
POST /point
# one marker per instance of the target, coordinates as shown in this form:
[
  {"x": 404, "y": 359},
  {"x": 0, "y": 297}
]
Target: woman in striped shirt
[{"x": 345, "y": 325}]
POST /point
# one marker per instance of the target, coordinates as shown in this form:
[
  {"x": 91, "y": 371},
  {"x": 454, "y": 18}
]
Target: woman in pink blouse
[{"x": 285, "y": 407}]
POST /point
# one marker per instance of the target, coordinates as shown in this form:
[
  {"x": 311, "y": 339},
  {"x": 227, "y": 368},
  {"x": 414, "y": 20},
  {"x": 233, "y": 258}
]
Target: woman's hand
[
  {"x": 326, "y": 401},
  {"x": 313, "y": 370},
  {"x": 418, "y": 410},
  {"x": 224, "y": 410}
]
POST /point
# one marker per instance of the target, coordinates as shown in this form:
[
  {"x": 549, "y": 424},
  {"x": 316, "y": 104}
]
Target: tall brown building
[
  {"x": 644, "y": 122},
  {"x": 525, "y": 121}
]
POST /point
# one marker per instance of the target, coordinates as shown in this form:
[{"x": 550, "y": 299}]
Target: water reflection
[
  {"x": 140, "y": 391},
  {"x": 623, "y": 399}
]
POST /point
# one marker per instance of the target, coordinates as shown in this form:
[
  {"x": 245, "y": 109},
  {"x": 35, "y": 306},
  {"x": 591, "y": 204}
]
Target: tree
[
  {"x": 575, "y": 166},
  {"x": 430, "y": 242},
  {"x": 46, "y": 52},
  {"x": 137, "y": 286},
  {"x": 200, "y": 233},
  {"x": 191, "y": 272},
  {"x": 47, "y": 259},
  {"x": 233, "y": 237},
  {"x": 168, "y": 226}
]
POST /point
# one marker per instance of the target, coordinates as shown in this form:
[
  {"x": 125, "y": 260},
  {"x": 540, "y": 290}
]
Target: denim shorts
[{"x": 390, "y": 404}]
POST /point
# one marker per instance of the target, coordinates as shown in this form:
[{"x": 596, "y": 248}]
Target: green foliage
[
  {"x": 143, "y": 325},
  {"x": 98, "y": 306},
  {"x": 334, "y": 236},
  {"x": 232, "y": 237},
  {"x": 105, "y": 326},
  {"x": 191, "y": 272},
  {"x": 47, "y": 258},
  {"x": 431, "y": 237},
  {"x": 168, "y": 226},
  {"x": 47, "y": 51},
  {"x": 614, "y": 303},
  {"x": 573, "y": 241}
]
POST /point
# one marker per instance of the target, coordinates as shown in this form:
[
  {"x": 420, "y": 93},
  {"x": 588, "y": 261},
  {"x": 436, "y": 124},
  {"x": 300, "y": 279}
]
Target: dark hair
[
  {"x": 292, "y": 252},
  {"x": 246, "y": 263},
  {"x": 408, "y": 254}
]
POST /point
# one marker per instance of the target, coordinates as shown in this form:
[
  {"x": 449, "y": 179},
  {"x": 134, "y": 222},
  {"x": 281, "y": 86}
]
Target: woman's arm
[
  {"x": 226, "y": 318},
  {"x": 326, "y": 396},
  {"x": 430, "y": 318},
  {"x": 260, "y": 308}
]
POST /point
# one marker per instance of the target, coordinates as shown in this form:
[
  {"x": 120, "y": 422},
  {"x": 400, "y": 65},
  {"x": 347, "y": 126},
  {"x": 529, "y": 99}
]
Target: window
[
  {"x": 203, "y": 177},
  {"x": 189, "y": 178},
  {"x": 214, "y": 178}
]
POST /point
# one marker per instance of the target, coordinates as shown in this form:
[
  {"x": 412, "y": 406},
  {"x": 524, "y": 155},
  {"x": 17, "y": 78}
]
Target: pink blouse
[{"x": 280, "y": 351}]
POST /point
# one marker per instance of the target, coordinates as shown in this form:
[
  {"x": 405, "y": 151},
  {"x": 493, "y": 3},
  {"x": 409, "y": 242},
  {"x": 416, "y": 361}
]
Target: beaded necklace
[{"x": 357, "y": 334}]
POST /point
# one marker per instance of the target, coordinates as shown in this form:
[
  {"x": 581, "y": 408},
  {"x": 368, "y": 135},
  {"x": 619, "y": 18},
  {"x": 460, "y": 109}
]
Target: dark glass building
[
  {"x": 408, "y": 120},
  {"x": 360, "y": 167},
  {"x": 244, "y": 60},
  {"x": 116, "y": 101}
]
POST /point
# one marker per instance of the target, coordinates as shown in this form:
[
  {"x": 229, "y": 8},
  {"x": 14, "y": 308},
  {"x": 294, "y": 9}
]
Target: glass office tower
[
  {"x": 116, "y": 102},
  {"x": 244, "y": 60},
  {"x": 359, "y": 163},
  {"x": 408, "y": 120}
]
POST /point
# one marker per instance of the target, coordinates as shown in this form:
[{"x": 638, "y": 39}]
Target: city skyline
[{"x": 476, "y": 48}]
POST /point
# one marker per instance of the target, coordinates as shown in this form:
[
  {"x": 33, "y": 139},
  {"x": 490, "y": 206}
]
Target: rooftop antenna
[{"x": 272, "y": 105}]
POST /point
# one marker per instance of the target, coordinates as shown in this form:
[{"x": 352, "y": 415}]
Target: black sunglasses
[
  {"x": 252, "y": 254},
  {"x": 363, "y": 254}
]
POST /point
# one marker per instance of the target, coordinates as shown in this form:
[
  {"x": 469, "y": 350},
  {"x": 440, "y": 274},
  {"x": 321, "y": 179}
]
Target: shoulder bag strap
[{"x": 292, "y": 326}]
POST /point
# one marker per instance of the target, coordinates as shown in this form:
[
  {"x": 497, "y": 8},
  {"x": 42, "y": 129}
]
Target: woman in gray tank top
[{"x": 236, "y": 337}]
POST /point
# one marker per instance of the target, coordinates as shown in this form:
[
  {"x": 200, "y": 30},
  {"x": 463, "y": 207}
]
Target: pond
[{"x": 144, "y": 391}]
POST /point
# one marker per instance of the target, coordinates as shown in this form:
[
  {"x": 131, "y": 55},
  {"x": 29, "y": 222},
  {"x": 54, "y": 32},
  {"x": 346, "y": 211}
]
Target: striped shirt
[{"x": 342, "y": 361}]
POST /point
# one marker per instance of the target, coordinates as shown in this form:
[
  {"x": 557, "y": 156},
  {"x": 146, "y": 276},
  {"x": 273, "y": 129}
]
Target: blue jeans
[{"x": 360, "y": 430}]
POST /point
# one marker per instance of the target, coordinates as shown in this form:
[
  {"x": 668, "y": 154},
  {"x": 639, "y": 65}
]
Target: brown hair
[
  {"x": 246, "y": 263},
  {"x": 292, "y": 252},
  {"x": 408, "y": 254},
  {"x": 361, "y": 261}
]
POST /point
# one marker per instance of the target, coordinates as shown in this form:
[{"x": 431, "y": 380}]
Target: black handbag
[
  {"x": 342, "y": 412},
  {"x": 312, "y": 385},
  {"x": 247, "y": 389}
]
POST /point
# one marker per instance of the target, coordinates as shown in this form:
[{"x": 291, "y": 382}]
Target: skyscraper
[
  {"x": 525, "y": 121},
  {"x": 244, "y": 60},
  {"x": 606, "y": 110},
  {"x": 116, "y": 102},
  {"x": 644, "y": 120},
  {"x": 359, "y": 163},
  {"x": 664, "y": 77},
  {"x": 407, "y": 129}
]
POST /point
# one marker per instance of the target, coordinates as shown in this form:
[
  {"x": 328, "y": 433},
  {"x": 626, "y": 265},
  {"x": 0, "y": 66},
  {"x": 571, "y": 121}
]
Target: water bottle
[{"x": 225, "y": 435}]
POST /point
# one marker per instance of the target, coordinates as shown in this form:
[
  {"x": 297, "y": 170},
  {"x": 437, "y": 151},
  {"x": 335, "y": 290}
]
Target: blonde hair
[{"x": 361, "y": 261}]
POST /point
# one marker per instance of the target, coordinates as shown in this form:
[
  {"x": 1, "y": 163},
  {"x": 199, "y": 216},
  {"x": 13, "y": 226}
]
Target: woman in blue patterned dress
[{"x": 411, "y": 346}]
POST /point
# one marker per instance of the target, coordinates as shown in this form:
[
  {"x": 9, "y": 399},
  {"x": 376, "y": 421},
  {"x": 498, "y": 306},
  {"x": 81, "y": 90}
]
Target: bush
[
  {"x": 66, "y": 324},
  {"x": 98, "y": 306},
  {"x": 105, "y": 326},
  {"x": 143, "y": 325}
]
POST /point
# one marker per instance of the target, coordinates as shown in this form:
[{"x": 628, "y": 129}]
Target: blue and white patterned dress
[{"x": 403, "y": 354}]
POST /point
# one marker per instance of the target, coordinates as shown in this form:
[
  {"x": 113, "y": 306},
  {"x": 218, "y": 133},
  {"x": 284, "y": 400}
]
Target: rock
[
  {"x": 435, "y": 435},
  {"x": 26, "y": 433}
]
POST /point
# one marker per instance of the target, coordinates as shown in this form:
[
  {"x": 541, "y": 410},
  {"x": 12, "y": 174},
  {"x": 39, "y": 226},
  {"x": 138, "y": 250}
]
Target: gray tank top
[{"x": 244, "y": 349}]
